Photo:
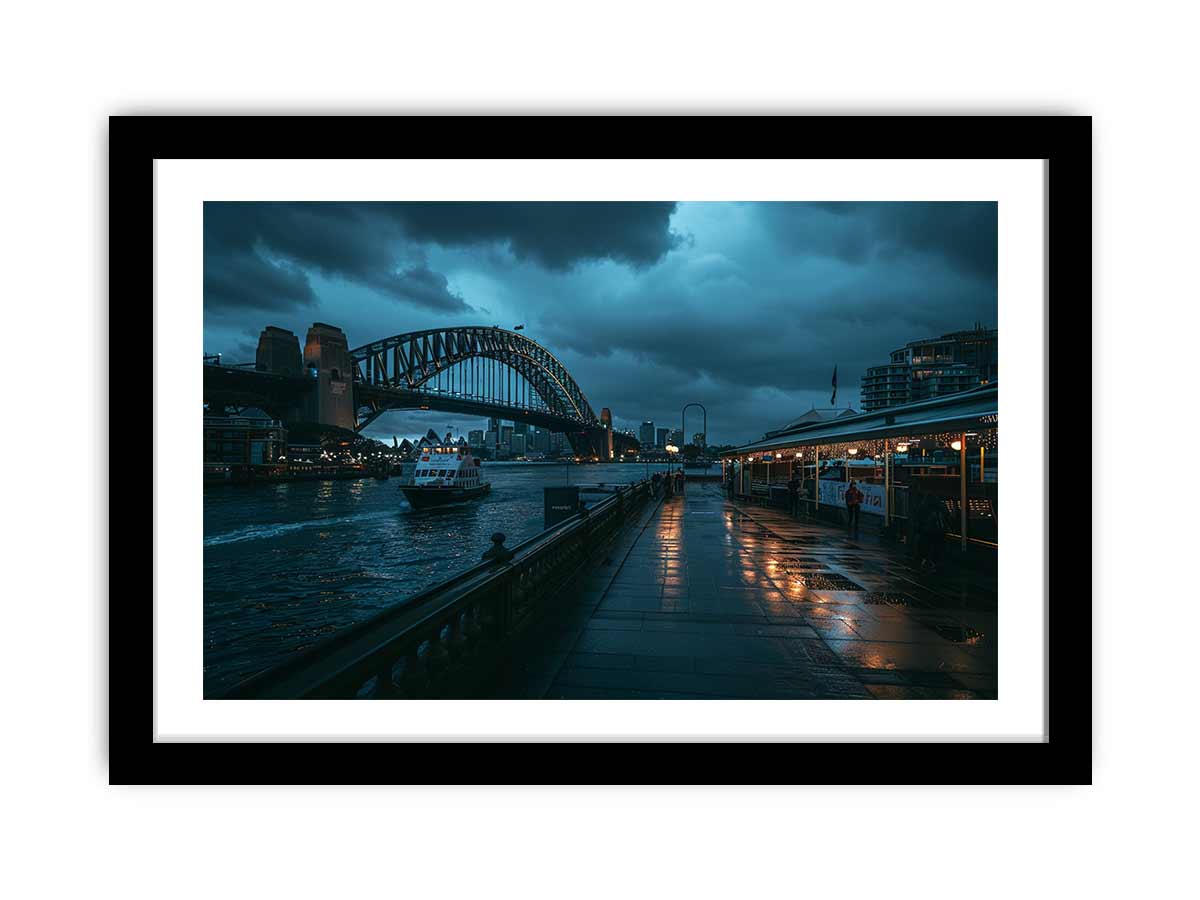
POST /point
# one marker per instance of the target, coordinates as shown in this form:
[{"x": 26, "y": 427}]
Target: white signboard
[{"x": 833, "y": 493}]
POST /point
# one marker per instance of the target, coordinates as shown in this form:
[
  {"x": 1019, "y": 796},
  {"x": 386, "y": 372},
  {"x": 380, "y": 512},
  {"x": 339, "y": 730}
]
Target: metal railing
[{"x": 446, "y": 640}]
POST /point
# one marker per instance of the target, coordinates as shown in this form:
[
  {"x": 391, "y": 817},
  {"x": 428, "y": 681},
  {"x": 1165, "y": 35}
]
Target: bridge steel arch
[{"x": 406, "y": 362}]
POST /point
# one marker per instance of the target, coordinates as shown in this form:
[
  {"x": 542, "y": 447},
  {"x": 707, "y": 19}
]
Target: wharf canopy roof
[
  {"x": 813, "y": 415},
  {"x": 976, "y": 408}
]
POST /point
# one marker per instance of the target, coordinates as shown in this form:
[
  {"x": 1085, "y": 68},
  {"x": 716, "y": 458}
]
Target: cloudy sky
[{"x": 744, "y": 307}]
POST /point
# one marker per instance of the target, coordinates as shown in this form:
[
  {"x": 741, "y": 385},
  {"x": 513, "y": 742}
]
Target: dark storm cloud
[
  {"x": 554, "y": 235},
  {"x": 964, "y": 235},
  {"x": 242, "y": 279},
  {"x": 260, "y": 255},
  {"x": 748, "y": 315}
]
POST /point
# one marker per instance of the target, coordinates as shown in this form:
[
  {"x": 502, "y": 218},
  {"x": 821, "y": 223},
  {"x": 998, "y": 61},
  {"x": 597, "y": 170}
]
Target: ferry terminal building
[{"x": 946, "y": 448}]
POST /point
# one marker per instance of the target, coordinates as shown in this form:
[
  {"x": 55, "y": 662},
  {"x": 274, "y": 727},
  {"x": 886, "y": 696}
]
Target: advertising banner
[{"x": 833, "y": 493}]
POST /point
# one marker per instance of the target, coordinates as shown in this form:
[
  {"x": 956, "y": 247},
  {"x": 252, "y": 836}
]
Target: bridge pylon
[
  {"x": 606, "y": 440},
  {"x": 327, "y": 354},
  {"x": 278, "y": 352}
]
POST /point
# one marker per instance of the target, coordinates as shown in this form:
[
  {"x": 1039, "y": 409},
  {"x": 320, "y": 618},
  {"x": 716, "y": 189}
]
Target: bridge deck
[{"x": 714, "y": 600}]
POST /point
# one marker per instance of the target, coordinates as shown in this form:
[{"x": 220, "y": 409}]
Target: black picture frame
[{"x": 1064, "y": 142}]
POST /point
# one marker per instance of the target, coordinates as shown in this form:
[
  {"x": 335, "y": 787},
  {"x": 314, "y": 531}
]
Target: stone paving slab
[{"x": 712, "y": 600}]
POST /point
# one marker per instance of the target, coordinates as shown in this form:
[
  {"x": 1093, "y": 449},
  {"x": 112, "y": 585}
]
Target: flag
[{"x": 833, "y": 399}]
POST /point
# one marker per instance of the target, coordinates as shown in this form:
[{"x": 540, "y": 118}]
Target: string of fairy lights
[{"x": 923, "y": 446}]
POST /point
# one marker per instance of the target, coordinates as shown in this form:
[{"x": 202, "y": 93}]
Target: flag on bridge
[{"x": 833, "y": 399}]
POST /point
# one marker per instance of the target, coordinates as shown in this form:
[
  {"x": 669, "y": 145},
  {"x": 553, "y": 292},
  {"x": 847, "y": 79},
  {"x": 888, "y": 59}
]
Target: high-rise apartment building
[
  {"x": 934, "y": 367},
  {"x": 646, "y": 434}
]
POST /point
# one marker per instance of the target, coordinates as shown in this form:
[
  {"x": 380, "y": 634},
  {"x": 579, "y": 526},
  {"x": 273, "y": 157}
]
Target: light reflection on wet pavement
[{"x": 717, "y": 600}]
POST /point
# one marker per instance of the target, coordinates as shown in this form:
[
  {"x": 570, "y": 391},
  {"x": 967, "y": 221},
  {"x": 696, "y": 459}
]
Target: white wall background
[{"x": 66, "y": 67}]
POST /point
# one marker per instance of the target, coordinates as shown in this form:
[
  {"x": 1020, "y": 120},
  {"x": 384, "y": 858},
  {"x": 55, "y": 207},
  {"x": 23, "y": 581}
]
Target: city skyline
[{"x": 745, "y": 307}]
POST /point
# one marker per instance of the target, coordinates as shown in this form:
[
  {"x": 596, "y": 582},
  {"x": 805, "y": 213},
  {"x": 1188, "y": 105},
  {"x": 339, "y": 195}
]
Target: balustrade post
[
  {"x": 437, "y": 658},
  {"x": 457, "y": 642},
  {"x": 472, "y": 626},
  {"x": 415, "y": 680},
  {"x": 385, "y": 687}
]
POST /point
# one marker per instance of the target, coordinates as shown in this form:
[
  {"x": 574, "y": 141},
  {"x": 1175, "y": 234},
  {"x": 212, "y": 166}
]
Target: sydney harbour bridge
[{"x": 472, "y": 370}]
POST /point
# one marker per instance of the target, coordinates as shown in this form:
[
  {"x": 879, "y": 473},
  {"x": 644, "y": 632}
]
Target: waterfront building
[
  {"x": 677, "y": 438},
  {"x": 660, "y": 438},
  {"x": 518, "y": 445},
  {"x": 475, "y": 438},
  {"x": 489, "y": 439},
  {"x": 886, "y": 385},
  {"x": 244, "y": 448},
  {"x": 506, "y": 435},
  {"x": 646, "y": 433},
  {"x": 933, "y": 367},
  {"x": 944, "y": 449}
]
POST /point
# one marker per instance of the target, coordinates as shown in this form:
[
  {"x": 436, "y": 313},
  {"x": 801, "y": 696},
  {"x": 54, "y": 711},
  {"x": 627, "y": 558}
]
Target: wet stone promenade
[{"x": 710, "y": 599}]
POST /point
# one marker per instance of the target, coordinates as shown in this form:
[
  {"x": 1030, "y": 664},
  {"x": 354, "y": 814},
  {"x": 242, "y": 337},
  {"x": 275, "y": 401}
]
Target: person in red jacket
[{"x": 854, "y": 499}]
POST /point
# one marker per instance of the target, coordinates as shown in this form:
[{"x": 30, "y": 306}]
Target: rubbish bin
[{"x": 560, "y": 503}]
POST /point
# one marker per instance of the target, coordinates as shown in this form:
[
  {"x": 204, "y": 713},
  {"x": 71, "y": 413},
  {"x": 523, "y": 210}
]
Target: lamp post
[
  {"x": 961, "y": 446},
  {"x": 671, "y": 451}
]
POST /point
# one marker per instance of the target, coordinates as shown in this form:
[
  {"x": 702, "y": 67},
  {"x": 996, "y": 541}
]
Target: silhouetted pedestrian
[
  {"x": 854, "y": 499},
  {"x": 793, "y": 487},
  {"x": 932, "y": 522}
]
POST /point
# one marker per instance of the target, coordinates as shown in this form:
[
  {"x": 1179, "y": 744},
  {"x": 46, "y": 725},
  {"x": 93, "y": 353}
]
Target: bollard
[{"x": 497, "y": 553}]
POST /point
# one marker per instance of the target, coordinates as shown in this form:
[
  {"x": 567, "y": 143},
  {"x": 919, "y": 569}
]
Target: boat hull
[{"x": 420, "y": 497}]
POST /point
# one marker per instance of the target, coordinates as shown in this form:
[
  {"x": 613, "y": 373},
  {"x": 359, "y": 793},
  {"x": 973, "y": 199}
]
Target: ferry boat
[{"x": 445, "y": 475}]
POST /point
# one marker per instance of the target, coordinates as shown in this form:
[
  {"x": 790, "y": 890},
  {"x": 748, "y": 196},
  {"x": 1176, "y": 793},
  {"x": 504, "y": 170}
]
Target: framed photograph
[{"x": 566, "y": 447}]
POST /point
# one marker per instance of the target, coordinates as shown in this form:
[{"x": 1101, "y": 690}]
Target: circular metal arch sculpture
[
  {"x": 408, "y": 361},
  {"x": 683, "y": 422}
]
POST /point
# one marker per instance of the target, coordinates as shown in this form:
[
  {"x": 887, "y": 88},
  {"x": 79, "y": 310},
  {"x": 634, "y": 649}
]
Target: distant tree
[{"x": 690, "y": 451}]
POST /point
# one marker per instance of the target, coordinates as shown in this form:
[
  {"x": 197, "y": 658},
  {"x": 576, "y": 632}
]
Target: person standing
[
  {"x": 854, "y": 499},
  {"x": 793, "y": 487},
  {"x": 933, "y": 524}
]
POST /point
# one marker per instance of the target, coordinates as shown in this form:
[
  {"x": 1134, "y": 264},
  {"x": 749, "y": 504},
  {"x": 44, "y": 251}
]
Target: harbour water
[{"x": 287, "y": 564}]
